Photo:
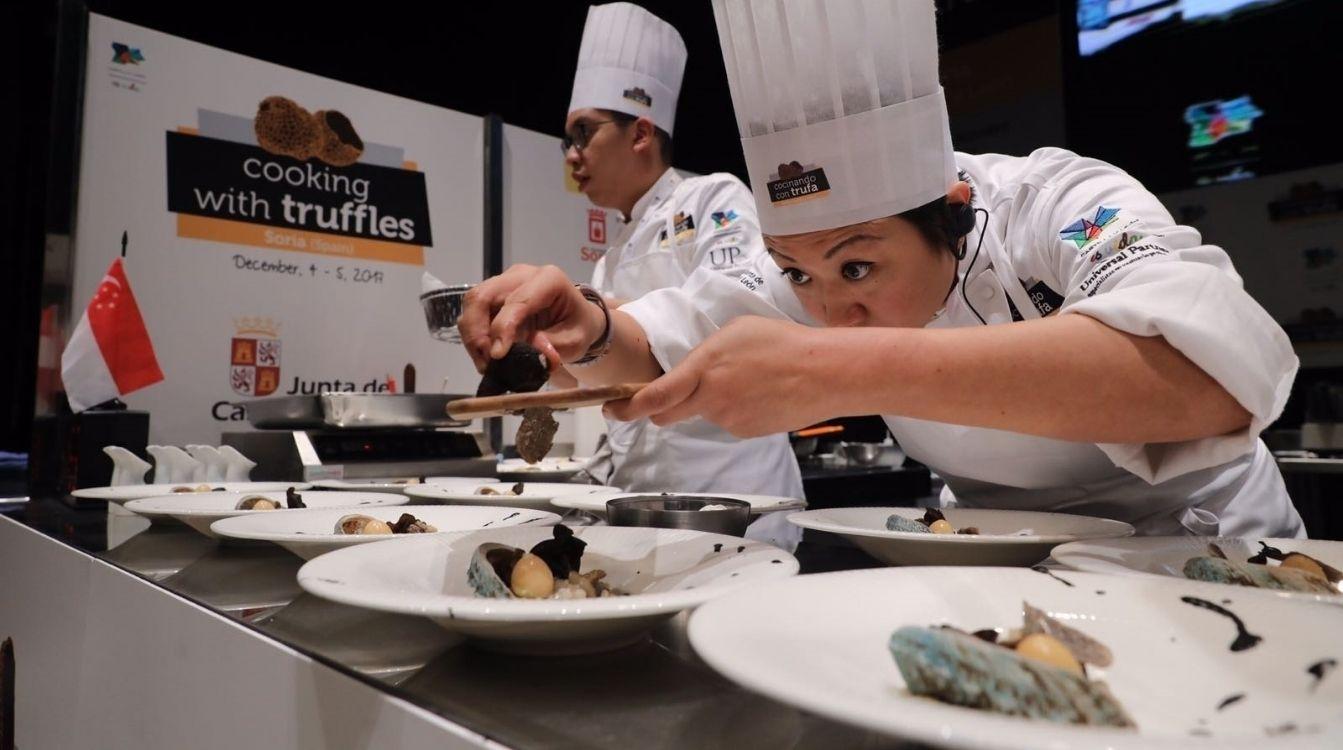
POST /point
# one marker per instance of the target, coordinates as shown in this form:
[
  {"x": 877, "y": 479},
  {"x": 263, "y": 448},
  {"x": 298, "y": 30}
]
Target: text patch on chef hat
[{"x": 839, "y": 108}]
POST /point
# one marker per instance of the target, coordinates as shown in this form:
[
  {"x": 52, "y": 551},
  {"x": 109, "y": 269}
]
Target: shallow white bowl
[
  {"x": 460, "y": 481},
  {"x": 664, "y": 570},
  {"x": 596, "y": 503},
  {"x": 545, "y": 470},
  {"x": 1007, "y": 537},
  {"x": 1166, "y": 555},
  {"x": 535, "y": 495},
  {"x": 388, "y": 484},
  {"x": 309, "y": 532},
  {"x": 129, "y": 492},
  {"x": 199, "y": 510},
  {"x": 819, "y": 642}
]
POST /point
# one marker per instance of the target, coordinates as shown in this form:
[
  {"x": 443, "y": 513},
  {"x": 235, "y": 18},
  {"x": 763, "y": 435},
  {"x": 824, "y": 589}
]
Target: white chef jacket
[
  {"x": 679, "y": 226},
  {"x": 1070, "y": 235}
]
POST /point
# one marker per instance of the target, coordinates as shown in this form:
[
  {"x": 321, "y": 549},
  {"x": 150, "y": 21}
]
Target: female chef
[{"x": 1038, "y": 330}]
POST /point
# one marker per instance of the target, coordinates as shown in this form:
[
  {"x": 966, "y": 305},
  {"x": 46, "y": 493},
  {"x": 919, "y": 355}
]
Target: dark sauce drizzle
[
  {"x": 1050, "y": 573},
  {"x": 1245, "y": 640},
  {"x": 1319, "y": 669}
]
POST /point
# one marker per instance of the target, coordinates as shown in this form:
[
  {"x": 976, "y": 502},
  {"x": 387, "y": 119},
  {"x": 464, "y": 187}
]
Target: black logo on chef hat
[
  {"x": 638, "y": 95},
  {"x": 794, "y": 182}
]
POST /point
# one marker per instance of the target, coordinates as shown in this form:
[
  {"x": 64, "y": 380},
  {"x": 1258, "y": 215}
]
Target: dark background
[
  {"x": 1014, "y": 82},
  {"x": 515, "y": 60},
  {"x": 1126, "y": 103}
]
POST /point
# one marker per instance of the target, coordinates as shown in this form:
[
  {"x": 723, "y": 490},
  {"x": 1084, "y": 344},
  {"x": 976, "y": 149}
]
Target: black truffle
[
  {"x": 522, "y": 370},
  {"x": 563, "y": 554}
]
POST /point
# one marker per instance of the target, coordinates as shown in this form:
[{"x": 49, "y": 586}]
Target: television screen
[{"x": 1184, "y": 93}]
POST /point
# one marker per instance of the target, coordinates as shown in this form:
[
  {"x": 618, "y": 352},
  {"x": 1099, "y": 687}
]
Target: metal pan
[{"x": 345, "y": 410}]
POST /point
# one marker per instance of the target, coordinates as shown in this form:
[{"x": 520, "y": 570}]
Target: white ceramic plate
[
  {"x": 310, "y": 532},
  {"x": 596, "y": 504},
  {"x": 664, "y": 570},
  {"x": 535, "y": 495},
  {"x": 1166, "y": 555},
  {"x": 199, "y": 510},
  {"x": 1007, "y": 537},
  {"x": 820, "y": 642},
  {"x": 390, "y": 484},
  {"x": 545, "y": 470},
  {"x": 520, "y": 467},
  {"x": 130, "y": 492},
  {"x": 460, "y": 481}
]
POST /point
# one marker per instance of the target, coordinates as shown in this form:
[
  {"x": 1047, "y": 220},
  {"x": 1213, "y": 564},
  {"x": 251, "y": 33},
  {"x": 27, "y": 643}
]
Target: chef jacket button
[{"x": 985, "y": 292}]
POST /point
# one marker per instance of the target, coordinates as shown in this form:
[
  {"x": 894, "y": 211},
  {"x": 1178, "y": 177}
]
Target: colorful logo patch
[
  {"x": 722, "y": 219},
  {"x": 684, "y": 226},
  {"x": 1085, "y": 230},
  {"x": 254, "y": 357},
  {"x": 1110, "y": 248},
  {"x": 597, "y": 226},
  {"x": 125, "y": 55}
]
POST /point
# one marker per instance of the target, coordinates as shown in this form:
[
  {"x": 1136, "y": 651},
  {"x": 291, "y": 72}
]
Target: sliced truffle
[
  {"x": 563, "y": 553},
  {"x": 292, "y": 499},
  {"x": 408, "y": 524},
  {"x": 536, "y": 434}
]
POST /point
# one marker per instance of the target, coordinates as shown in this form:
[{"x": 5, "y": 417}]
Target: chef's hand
[
  {"x": 754, "y": 377},
  {"x": 538, "y": 305}
]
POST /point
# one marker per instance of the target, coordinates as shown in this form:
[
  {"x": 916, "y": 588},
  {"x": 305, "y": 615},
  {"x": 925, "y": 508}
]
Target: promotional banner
[{"x": 278, "y": 224}]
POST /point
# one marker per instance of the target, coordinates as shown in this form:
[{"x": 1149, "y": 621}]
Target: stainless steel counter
[{"x": 656, "y": 694}]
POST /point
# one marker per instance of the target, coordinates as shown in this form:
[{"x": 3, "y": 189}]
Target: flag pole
[{"x": 123, "y": 243}]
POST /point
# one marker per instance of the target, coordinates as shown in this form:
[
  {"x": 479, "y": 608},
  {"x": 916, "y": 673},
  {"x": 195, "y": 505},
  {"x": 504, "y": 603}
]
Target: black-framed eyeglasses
[{"x": 580, "y": 135}]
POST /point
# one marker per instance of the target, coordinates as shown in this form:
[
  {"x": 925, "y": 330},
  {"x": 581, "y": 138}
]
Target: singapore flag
[{"x": 110, "y": 353}]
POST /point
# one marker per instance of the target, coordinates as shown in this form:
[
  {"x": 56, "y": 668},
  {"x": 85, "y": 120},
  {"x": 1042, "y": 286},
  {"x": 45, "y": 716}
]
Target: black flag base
[{"x": 114, "y": 404}]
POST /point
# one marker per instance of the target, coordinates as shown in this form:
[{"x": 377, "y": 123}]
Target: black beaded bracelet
[{"x": 603, "y": 343}]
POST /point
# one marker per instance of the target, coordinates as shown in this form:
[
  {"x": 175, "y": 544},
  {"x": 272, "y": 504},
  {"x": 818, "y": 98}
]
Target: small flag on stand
[{"x": 110, "y": 353}]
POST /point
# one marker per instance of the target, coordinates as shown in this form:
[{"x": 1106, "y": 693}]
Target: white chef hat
[
  {"x": 630, "y": 61},
  {"x": 841, "y": 115}
]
